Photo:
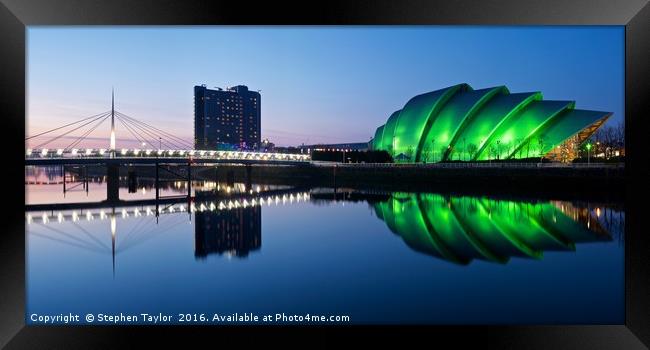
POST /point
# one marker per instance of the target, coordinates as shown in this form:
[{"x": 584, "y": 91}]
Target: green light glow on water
[{"x": 460, "y": 229}]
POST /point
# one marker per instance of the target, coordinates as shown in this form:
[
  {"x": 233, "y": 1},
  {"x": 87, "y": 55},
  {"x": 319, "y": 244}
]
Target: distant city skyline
[{"x": 319, "y": 84}]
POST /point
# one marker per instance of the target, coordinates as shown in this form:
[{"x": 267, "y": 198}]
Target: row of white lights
[
  {"x": 148, "y": 211},
  {"x": 334, "y": 149},
  {"x": 125, "y": 152}
]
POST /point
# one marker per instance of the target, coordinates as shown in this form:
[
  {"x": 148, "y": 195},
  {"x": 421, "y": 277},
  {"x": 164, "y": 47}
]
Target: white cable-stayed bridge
[
  {"x": 159, "y": 148},
  {"x": 156, "y": 144}
]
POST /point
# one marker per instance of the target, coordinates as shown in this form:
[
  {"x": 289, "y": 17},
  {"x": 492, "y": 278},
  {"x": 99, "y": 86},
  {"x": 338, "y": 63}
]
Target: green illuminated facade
[
  {"x": 460, "y": 229},
  {"x": 460, "y": 123}
]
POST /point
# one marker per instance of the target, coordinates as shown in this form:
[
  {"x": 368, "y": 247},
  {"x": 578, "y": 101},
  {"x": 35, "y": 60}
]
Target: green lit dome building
[{"x": 460, "y": 123}]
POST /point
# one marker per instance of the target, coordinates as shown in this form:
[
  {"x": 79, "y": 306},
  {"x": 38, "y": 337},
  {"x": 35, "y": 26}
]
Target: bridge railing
[
  {"x": 169, "y": 153},
  {"x": 134, "y": 211}
]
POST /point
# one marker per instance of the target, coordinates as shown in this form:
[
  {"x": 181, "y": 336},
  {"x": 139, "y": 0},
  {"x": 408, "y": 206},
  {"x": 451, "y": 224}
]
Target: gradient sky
[{"x": 318, "y": 84}]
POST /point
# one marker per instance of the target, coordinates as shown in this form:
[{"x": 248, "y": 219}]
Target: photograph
[
  {"x": 221, "y": 173},
  {"x": 325, "y": 175}
]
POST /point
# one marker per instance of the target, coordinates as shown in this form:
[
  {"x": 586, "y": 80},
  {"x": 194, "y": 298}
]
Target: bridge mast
[
  {"x": 112, "y": 145},
  {"x": 113, "y": 239}
]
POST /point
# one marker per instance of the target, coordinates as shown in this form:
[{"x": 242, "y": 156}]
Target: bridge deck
[{"x": 153, "y": 160}]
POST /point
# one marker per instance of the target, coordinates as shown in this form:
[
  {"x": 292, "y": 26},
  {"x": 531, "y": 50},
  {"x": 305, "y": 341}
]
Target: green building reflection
[{"x": 460, "y": 229}]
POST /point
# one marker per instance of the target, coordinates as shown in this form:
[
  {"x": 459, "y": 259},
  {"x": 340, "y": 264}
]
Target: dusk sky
[{"x": 318, "y": 84}]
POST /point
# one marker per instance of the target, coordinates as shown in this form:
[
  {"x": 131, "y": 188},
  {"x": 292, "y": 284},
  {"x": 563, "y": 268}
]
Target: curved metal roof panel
[
  {"x": 416, "y": 118},
  {"x": 519, "y": 128},
  {"x": 570, "y": 123},
  {"x": 451, "y": 117},
  {"x": 376, "y": 141},
  {"x": 472, "y": 138},
  {"x": 389, "y": 129}
]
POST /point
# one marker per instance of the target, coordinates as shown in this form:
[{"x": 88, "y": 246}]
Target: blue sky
[{"x": 318, "y": 84}]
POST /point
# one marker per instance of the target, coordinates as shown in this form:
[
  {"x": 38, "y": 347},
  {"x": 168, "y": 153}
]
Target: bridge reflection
[
  {"x": 224, "y": 224},
  {"x": 460, "y": 229}
]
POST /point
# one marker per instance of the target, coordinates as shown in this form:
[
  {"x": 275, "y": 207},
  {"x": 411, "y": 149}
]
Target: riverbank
[
  {"x": 549, "y": 181},
  {"x": 554, "y": 182}
]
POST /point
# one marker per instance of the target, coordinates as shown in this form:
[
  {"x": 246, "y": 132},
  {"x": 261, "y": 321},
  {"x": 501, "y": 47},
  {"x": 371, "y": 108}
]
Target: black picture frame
[{"x": 15, "y": 15}]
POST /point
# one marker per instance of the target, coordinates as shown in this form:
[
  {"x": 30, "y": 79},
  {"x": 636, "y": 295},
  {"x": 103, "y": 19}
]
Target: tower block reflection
[
  {"x": 234, "y": 232},
  {"x": 460, "y": 229}
]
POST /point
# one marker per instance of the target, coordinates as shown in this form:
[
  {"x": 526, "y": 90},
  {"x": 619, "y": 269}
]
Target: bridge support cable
[
  {"x": 165, "y": 142},
  {"x": 153, "y": 232},
  {"x": 140, "y": 226},
  {"x": 146, "y": 138},
  {"x": 72, "y": 238},
  {"x": 161, "y": 142},
  {"x": 162, "y": 136},
  {"x": 62, "y": 241},
  {"x": 64, "y": 126},
  {"x": 144, "y": 134},
  {"x": 184, "y": 143},
  {"x": 141, "y": 140},
  {"x": 83, "y": 136},
  {"x": 70, "y": 131},
  {"x": 90, "y": 235}
]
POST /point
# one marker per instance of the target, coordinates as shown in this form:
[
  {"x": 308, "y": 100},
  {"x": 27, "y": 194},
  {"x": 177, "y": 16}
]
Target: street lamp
[{"x": 588, "y": 146}]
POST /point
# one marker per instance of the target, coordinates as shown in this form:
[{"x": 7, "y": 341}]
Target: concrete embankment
[
  {"x": 552, "y": 181},
  {"x": 595, "y": 180}
]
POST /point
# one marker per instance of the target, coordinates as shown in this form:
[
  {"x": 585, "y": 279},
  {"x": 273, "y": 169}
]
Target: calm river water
[{"x": 377, "y": 257}]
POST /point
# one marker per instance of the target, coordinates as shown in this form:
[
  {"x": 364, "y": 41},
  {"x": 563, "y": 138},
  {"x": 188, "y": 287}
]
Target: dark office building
[{"x": 227, "y": 119}]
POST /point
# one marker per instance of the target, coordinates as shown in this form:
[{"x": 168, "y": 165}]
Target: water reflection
[
  {"x": 321, "y": 250},
  {"x": 47, "y": 185},
  {"x": 234, "y": 232},
  {"x": 460, "y": 228},
  {"x": 457, "y": 229},
  {"x": 223, "y": 224}
]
